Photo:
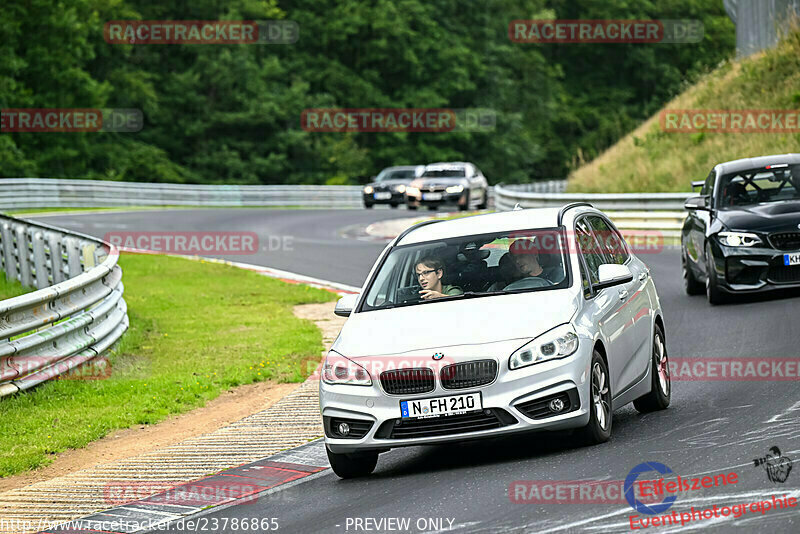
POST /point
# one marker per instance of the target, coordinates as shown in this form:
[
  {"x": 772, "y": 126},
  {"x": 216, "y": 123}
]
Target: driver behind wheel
[
  {"x": 429, "y": 272},
  {"x": 525, "y": 255}
]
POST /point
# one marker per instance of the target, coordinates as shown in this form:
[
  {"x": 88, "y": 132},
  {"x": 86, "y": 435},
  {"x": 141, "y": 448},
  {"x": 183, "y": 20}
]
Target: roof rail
[
  {"x": 571, "y": 205},
  {"x": 412, "y": 228}
]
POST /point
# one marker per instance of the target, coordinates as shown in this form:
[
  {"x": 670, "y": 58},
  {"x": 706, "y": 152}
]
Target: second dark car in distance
[
  {"x": 389, "y": 187},
  {"x": 449, "y": 183},
  {"x": 742, "y": 234}
]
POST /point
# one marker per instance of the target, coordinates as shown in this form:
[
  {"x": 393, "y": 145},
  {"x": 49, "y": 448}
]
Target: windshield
[
  {"x": 756, "y": 186},
  {"x": 444, "y": 173},
  {"x": 488, "y": 264},
  {"x": 398, "y": 174}
]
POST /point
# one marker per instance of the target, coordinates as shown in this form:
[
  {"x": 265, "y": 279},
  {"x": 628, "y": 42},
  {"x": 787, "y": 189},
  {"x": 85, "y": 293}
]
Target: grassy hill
[{"x": 650, "y": 159}]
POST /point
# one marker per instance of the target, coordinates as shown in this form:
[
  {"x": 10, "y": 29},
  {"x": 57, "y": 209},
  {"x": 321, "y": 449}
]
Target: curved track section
[{"x": 711, "y": 426}]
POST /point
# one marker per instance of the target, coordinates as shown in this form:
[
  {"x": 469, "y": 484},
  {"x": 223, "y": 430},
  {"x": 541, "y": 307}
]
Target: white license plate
[
  {"x": 431, "y": 196},
  {"x": 435, "y": 407},
  {"x": 791, "y": 259},
  {"x": 383, "y": 196}
]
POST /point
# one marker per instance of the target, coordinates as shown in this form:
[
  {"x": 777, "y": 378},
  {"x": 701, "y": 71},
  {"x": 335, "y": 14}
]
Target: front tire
[
  {"x": 368, "y": 206},
  {"x": 661, "y": 385},
  {"x": 352, "y": 465},
  {"x": 600, "y": 418},
  {"x": 465, "y": 206},
  {"x": 713, "y": 293},
  {"x": 410, "y": 207},
  {"x": 485, "y": 202},
  {"x": 691, "y": 284}
]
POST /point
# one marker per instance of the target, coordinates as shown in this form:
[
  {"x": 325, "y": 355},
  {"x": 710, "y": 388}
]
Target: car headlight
[
  {"x": 400, "y": 188},
  {"x": 738, "y": 239},
  {"x": 340, "y": 370},
  {"x": 455, "y": 189},
  {"x": 412, "y": 191},
  {"x": 368, "y": 190},
  {"x": 559, "y": 342}
]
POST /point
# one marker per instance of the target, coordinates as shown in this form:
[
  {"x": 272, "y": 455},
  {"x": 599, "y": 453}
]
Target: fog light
[
  {"x": 556, "y": 405},
  {"x": 344, "y": 429}
]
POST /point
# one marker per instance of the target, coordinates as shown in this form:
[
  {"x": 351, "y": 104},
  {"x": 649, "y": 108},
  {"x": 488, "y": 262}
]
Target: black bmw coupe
[{"x": 742, "y": 234}]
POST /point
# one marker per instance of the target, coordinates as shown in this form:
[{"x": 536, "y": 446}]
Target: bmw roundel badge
[{"x": 438, "y": 355}]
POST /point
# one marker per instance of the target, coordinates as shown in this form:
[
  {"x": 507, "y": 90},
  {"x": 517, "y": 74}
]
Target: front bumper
[
  {"x": 395, "y": 198},
  {"x": 753, "y": 269},
  {"x": 378, "y": 412},
  {"x": 454, "y": 199}
]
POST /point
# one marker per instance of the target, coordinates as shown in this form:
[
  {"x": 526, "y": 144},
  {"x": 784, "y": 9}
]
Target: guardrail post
[
  {"x": 73, "y": 257},
  {"x": 39, "y": 260},
  {"x": 23, "y": 255},
  {"x": 9, "y": 258},
  {"x": 56, "y": 257}
]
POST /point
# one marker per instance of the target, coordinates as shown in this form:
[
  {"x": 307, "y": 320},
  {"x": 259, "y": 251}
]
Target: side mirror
[
  {"x": 345, "y": 305},
  {"x": 698, "y": 183},
  {"x": 612, "y": 274},
  {"x": 697, "y": 203}
]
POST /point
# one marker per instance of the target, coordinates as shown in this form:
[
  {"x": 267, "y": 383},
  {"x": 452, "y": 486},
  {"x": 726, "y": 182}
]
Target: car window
[
  {"x": 708, "y": 187},
  {"x": 611, "y": 242},
  {"x": 478, "y": 265},
  {"x": 444, "y": 173},
  {"x": 755, "y": 186},
  {"x": 590, "y": 249}
]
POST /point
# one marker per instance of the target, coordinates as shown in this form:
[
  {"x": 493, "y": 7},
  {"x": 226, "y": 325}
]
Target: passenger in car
[
  {"x": 429, "y": 271},
  {"x": 525, "y": 256}
]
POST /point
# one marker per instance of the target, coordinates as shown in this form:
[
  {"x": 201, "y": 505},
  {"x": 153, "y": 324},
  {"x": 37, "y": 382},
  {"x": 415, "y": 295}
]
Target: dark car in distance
[
  {"x": 389, "y": 187},
  {"x": 742, "y": 234}
]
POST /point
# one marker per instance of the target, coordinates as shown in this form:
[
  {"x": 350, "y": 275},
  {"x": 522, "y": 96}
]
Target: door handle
[
  {"x": 643, "y": 276},
  {"x": 623, "y": 294}
]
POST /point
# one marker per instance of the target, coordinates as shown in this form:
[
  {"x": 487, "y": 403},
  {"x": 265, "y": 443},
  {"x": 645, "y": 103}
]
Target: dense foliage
[{"x": 231, "y": 113}]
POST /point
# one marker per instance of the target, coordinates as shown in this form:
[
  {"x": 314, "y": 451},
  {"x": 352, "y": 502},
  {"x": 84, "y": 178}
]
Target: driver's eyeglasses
[{"x": 426, "y": 273}]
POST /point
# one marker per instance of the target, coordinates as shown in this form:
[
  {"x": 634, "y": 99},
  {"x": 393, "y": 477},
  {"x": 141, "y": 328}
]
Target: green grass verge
[
  {"x": 197, "y": 329},
  {"x": 650, "y": 159},
  {"x": 10, "y": 288}
]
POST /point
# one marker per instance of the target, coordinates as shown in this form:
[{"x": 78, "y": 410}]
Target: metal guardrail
[
  {"x": 25, "y": 193},
  {"x": 632, "y": 212},
  {"x": 75, "y": 315}
]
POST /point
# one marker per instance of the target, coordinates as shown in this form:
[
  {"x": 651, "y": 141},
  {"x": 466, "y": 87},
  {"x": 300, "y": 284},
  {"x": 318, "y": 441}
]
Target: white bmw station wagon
[{"x": 526, "y": 320}]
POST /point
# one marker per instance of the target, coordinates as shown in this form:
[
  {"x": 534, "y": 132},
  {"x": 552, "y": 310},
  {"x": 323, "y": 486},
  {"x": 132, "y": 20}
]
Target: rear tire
[
  {"x": 393, "y": 205},
  {"x": 352, "y": 465},
  {"x": 691, "y": 284},
  {"x": 598, "y": 430},
  {"x": 368, "y": 206},
  {"x": 713, "y": 293},
  {"x": 432, "y": 208},
  {"x": 661, "y": 384},
  {"x": 412, "y": 208}
]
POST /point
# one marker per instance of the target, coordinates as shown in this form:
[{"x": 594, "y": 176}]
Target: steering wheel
[{"x": 529, "y": 283}]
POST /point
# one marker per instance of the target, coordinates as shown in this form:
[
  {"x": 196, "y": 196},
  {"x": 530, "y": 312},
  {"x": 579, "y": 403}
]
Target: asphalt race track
[{"x": 711, "y": 426}]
